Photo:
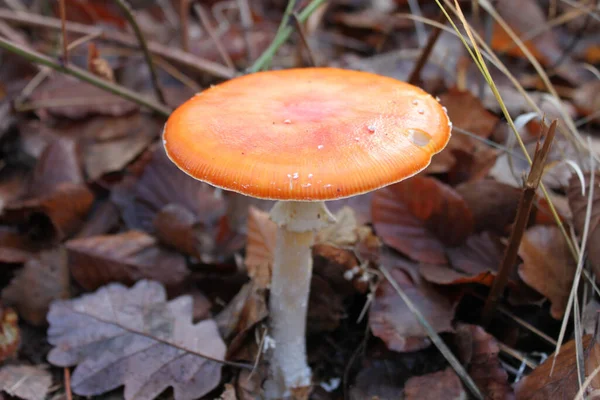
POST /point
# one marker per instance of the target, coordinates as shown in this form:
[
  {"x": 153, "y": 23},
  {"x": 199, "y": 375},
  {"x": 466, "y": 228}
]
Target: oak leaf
[{"x": 133, "y": 337}]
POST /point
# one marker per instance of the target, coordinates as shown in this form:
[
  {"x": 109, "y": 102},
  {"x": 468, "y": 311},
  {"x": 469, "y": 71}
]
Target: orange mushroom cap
[{"x": 306, "y": 134}]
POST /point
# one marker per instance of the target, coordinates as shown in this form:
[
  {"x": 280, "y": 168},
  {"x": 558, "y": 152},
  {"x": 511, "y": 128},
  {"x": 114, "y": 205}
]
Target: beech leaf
[
  {"x": 135, "y": 337},
  {"x": 443, "y": 384},
  {"x": 9, "y": 333},
  {"x": 420, "y": 216},
  {"x": 25, "y": 381}
]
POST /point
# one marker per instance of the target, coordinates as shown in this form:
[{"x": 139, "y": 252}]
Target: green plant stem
[
  {"x": 85, "y": 76},
  {"x": 283, "y": 35},
  {"x": 126, "y": 8}
]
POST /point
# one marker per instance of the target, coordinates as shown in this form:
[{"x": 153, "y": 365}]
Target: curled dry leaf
[
  {"x": 58, "y": 163},
  {"x": 493, "y": 204},
  {"x": 479, "y": 351},
  {"x": 177, "y": 226},
  {"x": 438, "y": 385},
  {"x": 25, "y": 381},
  {"x": 420, "y": 217},
  {"x": 43, "y": 279},
  {"x": 77, "y": 99},
  {"x": 260, "y": 246},
  {"x": 476, "y": 261},
  {"x": 9, "y": 333},
  {"x": 578, "y": 206},
  {"x": 548, "y": 266},
  {"x": 390, "y": 318},
  {"x": 134, "y": 337},
  {"x": 563, "y": 382},
  {"x": 126, "y": 258}
]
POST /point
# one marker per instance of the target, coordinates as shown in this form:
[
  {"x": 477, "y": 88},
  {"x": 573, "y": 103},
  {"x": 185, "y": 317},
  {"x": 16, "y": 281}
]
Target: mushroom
[{"x": 301, "y": 137}]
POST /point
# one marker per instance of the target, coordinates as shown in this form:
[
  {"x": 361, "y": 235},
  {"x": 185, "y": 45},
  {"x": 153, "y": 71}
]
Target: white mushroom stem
[{"x": 290, "y": 288}]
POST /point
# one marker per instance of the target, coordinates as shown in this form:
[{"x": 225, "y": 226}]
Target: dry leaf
[
  {"x": 334, "y": 265},
  {"x": 228, "y": 393},
  {"x": 381, "y": 380},
  {"x": 260, "y": 246},
  {"x": 390, "y": 318},
  {"x": 563, "y": 383},
  {"x": 126, "y": 258},
  {"x": 578, "y": 206},
  {"x": 246, "y": 309},
  {"x": 58, "y": 163},
  {"x": 548, "y": 266},
  {"x": 177, "y": 227},
  {"x": 466, "y": 112},
  {"x": 9, "y": 333},
  {"x": 493, "y": 204},
  {"x": 479, "y": 351},
  {"x": 72, "y": 98},
  {"x": 325, "y": 307},
  {"x": 134, "y": 337},
  {"x": 420, "y": 216},
  {"x": 25, "y": 381},
  {"x": 476, "y": 261},
  {"x": 43, "y": 279},
  {"x": 438, "y": 385},
  {"x": 342, "y": 232}
]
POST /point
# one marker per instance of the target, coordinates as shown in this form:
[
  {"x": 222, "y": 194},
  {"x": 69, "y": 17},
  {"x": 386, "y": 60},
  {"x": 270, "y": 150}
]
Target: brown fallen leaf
[
  {"x": 493, "y": 204},
  {"x": 260, "y": 246},
  {"x": 563, "y": 382},
  {"x": 109, "y": 144},
  {"x": 43, "y": 279},
  {"x": 478, "y": 350},
  {"x": 392, "y": 321},
  {"x": 466, "y": 112},
  {"x": 420, "y": 217},
  {"x": 380, "y": 379},
  {"x": 476, "y": 261},
  {"x": 58, "y": 163},
  {"x": 133, "y": 337},
  {"x": 325, "y": 307},
  {"x": 438, "y": 385},
  {"x": 9, "y": 333},
  {"x": 177, "y": 227},
  {"x": 243, "y": 312},
  {"x": 25, "y": 381},
  {"x": 343, "y": 232},
  {"x": 67, "y": 97},
  {"x": 548, "y": 266},
  {"x": 54, "y": 216},
  {"x": 340, "y": 268},
  {"x": 126, "y": 258},
  {"x": 578, "y": 206}
]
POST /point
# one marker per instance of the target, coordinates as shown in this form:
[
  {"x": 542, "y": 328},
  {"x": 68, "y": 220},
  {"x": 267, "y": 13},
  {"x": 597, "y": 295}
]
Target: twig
[
  {"x": 282, "y": 36},
  {"x": 63, "y": 21},
  {"x": 435, "y": 338},
  {"x": 304, "y": 40},
  {"x": 82, "y": 74},
  {"x": 523, "y": 211},
  {"x": 184, "y": 21},
  {"x": 247, "y": 24},
  {"x": 415, "y": 75},
  {"x": 415, "y": 9},
  {"x": 169, "y": 53},
  {"x": 68, "y": 384},
  {"x": 126, "y": 8},
  {"x": 211, "y": 32}
]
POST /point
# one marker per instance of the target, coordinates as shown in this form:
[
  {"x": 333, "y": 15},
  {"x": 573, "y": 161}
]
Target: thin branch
[
  {"x": 525, "y": 204},
  {"x": 63, "y": 21},
  {"x": 169, "y": 53},
  {"x": 126, "y": 8},
  {"x": 213, "y": 36},
  {"x": 283, "y": 35},
  {"x": 85, "y": 76},
  {"x": 415, "y": 75},
  {"x": 304, "y": 40}
]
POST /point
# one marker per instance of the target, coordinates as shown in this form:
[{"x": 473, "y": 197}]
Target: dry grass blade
[
  {"x": 63, "y": 21},
  {"x": 435, "y": 338},
  {"x": 586, "y": 383},
  {"x": 580, "y": 261},
  {"x": 524, "y": 209},
  {"x": 205, "y": 20}
]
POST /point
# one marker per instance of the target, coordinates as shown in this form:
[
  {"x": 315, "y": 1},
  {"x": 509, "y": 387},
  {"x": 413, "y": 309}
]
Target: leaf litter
[{"x": 173, "y": 268}]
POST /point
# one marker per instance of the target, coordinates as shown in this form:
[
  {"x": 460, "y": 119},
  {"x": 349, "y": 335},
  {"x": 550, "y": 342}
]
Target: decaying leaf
[
  {"x": 563, "y": 382},
  {"x": 177, "y": 227},
  {"x": 578, "y": 206},
  {"x": 25, "y": 381},
  {"x": 260, "y": 246},
  {"x": 475, "y": 261},
  {"x": 340, "y": 268},
  {"x": 342, "y": 232},
  {"x": 126, "y": 258},
  {"x": 420, "y": 216},
  {"x": 248, "y": 307},
  {"x": 548, "y": 266},
  {"x": 438, "y": 385},
  {"x": 466, "y": 112},
  {"x": 479, "y": 351},
  {"x": 43, "y": 279},
  {"x": 9, "y": 333},
  {"x": 134, "y": 337},
  {"x": 390, "y": 318}
]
